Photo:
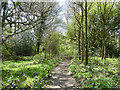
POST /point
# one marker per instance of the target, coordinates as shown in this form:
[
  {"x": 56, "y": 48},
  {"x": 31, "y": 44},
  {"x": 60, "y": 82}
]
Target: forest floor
[{"x": 61, "y": 78}]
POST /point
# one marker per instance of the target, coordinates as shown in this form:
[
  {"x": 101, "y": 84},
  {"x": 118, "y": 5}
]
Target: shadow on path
[{"x": 61, "y": 78}]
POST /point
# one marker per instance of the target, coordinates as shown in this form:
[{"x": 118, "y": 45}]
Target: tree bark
[
  {"x": 45, "y": 55},
  {"x": 38, "y": 46},
  {"x": 102, "y": 49},
  {"x": 3, "y": 25},
  {"x": 86, "y": 59},
  {"x": 8, "y": 49},
  {"x": 104, "y": 37},
  {"x": 82, "y": 38},
  {"x": 79, "y": 50},
  {"x": 119, "y": 44},
  {"x": 104, "y": 52},
  {"x": 3, "y": 16},
  {"x": 41, "y": 28}
]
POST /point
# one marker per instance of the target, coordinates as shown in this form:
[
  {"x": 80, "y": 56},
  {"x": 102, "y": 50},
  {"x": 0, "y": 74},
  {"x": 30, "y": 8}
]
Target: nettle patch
[{"x": 97, "y": 74}]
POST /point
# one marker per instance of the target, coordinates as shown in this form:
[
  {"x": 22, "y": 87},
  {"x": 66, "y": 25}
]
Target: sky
[
  {"x": 63, "y": 13},
  {"x": 62, "y": 2}
]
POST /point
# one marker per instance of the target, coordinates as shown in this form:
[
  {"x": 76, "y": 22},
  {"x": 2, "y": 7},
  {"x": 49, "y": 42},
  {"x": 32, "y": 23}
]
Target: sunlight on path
[{"x": 61, "y": 78}]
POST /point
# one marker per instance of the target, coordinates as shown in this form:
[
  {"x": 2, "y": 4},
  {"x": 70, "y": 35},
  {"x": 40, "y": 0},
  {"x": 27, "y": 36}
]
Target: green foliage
[
  {"x": 112, "y": 51},
  {"x": 20, "y": 45},
  {"x": 103, "y": 24},
  {"x": 102, "y": 15},
  {"x": 27, "y": 73},
  {"x": 71, "y": 31},
  {"x": 16, "y": 4},
  {"x": 67, "y": 48},
  {"x": 52, "y": 43},
  {"x": 96, "y": 32},
  {"x": 5, "y": 52},
  {"x": 98, "y": 73},
  {"x": 23, "y": 46}
]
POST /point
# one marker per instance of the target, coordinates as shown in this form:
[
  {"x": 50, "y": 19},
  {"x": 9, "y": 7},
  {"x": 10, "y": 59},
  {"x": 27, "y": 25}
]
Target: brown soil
[{"x": 61, "y": 78}]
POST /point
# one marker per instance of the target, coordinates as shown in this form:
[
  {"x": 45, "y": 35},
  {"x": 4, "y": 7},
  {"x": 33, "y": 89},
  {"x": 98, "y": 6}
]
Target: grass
[
  {"x": 27, "y": 73},
  {"x": 98, "y": 73}
]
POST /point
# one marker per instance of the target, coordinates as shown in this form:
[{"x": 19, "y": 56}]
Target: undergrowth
[
  {"x": 27, "y": 73},
  {"x": 98, "y": 73}
]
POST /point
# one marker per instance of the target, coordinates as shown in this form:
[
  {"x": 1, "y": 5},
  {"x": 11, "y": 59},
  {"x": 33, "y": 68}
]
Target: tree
[
  {"x": 52, "y": 44},
  {"x": 22, "y": 16},
  {"x": 82, "y": 18},
  {"x": 77, "y": 26},
  {"x": 86, "y": 46},
  {"x": 48, "y": 20},
  {"x": 105, "y": 18}
]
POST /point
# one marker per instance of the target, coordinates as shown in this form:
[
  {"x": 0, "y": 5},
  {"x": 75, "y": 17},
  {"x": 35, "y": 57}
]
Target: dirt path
[{"x": 61, "y": 78}]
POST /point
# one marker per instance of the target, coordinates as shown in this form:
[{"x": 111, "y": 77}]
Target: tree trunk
[
  {"x": 15, "y": 24},
  {"x": 49, "y": 52},
  {"x": 45, "y": 55},
  {"x": 86, "y": 59},
  {"x": 103, "y": 43},
  {"x": 119, "y": 45},
  {"x": 8, "y": 49},
  {"x": 82, "y": 46},
  {"x": 79, "y": 50},
  {"x": 104, "y": 51},
  {"x": 3, "y": 16},
  {"x": 38, "y": 45},
  {"x": 3, "y": 25},
  {"x": 41, "y": 28},
  {"x": 82, "y": 38},
  {"x": 98, "y": 52}
]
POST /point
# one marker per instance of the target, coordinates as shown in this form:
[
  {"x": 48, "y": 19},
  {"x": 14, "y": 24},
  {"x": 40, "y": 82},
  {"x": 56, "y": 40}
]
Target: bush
[
  {"x": 20, "y": 45},
  {"x": 5, "y": 52},
  {"x": 26, "y": 74},
  {"x": 97, "y": 74}
]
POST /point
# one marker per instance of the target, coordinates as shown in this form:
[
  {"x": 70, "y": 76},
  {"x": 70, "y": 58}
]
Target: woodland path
[{"x": 60, "y": 77}]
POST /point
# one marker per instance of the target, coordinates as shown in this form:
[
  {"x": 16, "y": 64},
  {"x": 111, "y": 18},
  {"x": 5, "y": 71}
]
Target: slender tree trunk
[
  {"x": 97, "y": 52},
  {"x": 15, "y": 28},
  {"x": 3, "y": 17},
  {"x": 104, "y": 52},
  {"x": 119, "y": 43},
  {"x": 104, "y": 23},
  {"x": 8, "y": 49},
  {"x": 38, "y": 45},
  {"x": 3, "y": 25},
  {"x": 45, "y": 55},
  {"x": 49, "y": 52},
  {"x": 86, "y": 33},
  {"x": 83, "y": 46},
  {"x": 15, "y": 23},
  {"x": 82, "y": 37},
  {"x": 79, "y": 50},
  {"x": 103, "y": 49},
  {"x": 41, "y": 28}
]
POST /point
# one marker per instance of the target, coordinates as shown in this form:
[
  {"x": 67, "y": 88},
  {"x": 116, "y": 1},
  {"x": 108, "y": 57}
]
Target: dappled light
[{"x": 60, "y": 45}]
